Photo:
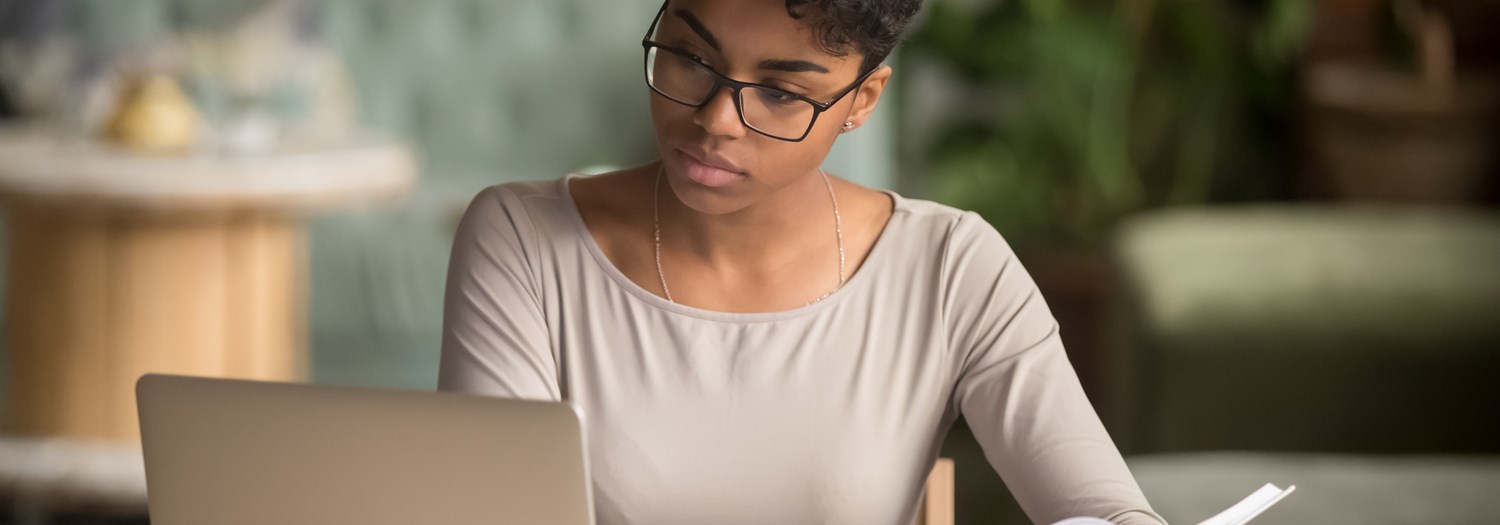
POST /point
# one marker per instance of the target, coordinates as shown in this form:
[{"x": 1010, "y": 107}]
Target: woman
[{"x": 753, "y": 340}]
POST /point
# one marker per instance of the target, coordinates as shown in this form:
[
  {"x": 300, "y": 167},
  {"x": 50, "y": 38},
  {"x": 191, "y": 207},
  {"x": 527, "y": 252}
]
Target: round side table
[{"x": 122, "y": 264}]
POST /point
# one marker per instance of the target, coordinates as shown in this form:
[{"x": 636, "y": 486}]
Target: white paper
[
  {"x": 1083, "y": 521},
  {"x": 1250, "y": 507},
  {"x": 1239, "y": 514}
]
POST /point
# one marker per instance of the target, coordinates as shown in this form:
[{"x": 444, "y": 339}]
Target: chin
[{"x": 703, "y": 199}]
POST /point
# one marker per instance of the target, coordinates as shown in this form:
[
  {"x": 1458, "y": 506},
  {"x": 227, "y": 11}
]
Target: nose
[{"x": 719, "y": 116}]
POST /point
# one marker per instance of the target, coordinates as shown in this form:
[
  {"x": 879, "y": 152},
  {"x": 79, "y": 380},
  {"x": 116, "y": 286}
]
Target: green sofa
[{"x": 1349, "y": 350}]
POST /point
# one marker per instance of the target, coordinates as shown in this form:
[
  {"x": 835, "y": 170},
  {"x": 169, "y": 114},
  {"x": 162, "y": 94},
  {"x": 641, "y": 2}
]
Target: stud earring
[{"x": 848, "y": 126}]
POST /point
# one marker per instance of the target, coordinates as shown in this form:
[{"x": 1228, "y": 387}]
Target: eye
[
  {"x": 685, "y": 52},
  {"x": 693, "y": 57},
  {"x": 688, "y": 60},
  {"x": 776, "y": 97}
]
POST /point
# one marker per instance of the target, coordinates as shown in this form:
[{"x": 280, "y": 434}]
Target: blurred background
[{"x": 1270, "y": 229}]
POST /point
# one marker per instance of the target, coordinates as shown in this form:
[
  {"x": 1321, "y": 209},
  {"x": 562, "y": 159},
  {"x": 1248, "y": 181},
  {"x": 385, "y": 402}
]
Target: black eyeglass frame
[{"x": 721, "y": 81}]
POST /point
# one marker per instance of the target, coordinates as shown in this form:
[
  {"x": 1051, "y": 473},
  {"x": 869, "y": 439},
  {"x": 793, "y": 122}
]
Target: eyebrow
[
  {"x": 789, "y": 66},
  {"x": 792, "y": 66},
  {"x": 697, "y": 27}
]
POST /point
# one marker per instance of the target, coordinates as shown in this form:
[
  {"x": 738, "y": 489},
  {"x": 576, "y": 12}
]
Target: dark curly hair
[{"x": 871, "y": 27}]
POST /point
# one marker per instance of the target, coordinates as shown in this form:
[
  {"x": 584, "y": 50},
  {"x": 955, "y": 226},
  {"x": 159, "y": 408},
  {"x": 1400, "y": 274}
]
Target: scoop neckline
[{"x": 872, "y": 260}]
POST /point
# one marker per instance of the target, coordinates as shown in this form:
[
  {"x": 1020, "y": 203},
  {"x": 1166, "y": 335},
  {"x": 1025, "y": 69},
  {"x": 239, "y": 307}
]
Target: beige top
[{"x": 829, "y": 413}]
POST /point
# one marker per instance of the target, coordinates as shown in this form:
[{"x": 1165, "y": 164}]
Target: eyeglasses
[{"x": 680, "y": 77}]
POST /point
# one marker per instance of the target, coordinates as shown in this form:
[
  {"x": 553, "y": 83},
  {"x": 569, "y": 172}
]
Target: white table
[{"x": 122, "y": 264}]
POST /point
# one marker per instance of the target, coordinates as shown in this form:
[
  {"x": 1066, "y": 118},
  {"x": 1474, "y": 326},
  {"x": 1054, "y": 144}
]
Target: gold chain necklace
[{"x": 838, "y": 230}]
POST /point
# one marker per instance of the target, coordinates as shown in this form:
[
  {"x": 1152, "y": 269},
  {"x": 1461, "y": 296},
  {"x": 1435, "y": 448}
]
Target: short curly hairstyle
[{"x": 870, "y": 27}]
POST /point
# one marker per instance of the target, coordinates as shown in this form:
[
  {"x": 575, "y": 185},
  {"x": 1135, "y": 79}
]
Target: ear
[{"x": 867, "y": 96}]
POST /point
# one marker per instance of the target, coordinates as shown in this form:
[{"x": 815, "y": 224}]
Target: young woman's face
[{"x": 713, "y": 162}]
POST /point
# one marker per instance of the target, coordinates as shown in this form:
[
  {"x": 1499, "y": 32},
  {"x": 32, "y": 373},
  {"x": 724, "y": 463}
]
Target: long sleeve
[
  {"x": 1019, "y": 393},
  {"x": 495, "y": 336}
]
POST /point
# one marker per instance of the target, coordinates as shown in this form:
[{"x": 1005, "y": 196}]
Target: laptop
[{"x": 240, "y": 452}]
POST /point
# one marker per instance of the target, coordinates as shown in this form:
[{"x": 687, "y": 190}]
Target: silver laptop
[{"x": 241, "y": 452}]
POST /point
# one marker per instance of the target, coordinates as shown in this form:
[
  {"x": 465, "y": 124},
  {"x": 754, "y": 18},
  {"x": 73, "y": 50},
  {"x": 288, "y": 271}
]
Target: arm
[
  {"x": 1019, "y": 393},
  {"x": 495, "y": 337}
]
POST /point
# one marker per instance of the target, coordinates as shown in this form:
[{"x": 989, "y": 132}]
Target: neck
[{"x": 774, "y": 231}]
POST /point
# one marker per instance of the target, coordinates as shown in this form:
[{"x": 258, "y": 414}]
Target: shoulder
[
  {"x": 956, "y": 233},
  {"x": 974, "y": 263},
  {"x": 510, "y": 195},
  {"x": 556, "y": 203},
  {"x": 523, "y": 212}
]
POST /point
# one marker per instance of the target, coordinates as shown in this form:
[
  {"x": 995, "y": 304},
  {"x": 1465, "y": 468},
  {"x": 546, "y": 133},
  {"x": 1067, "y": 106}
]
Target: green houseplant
[{"x": 1076, "y": 113}]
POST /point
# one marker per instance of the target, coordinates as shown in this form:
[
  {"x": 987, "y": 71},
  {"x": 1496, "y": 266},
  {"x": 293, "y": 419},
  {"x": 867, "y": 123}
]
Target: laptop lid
[{"x": 245, "y": 452}]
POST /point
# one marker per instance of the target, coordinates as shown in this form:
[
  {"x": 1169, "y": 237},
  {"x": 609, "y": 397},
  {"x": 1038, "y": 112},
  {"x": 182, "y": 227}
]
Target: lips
[{"x": 710, "y": 170}]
